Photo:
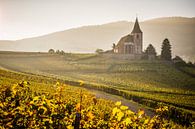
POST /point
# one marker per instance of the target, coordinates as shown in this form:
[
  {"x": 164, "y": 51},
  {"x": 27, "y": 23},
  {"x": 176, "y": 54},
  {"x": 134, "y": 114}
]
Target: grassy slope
[{"x": 152, "y": 80}]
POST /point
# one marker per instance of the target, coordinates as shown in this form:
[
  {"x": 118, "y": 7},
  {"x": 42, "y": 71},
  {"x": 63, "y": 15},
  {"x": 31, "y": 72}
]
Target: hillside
[
  {"x": 149, "y": 83},
  {"x": 179, "y": 30},
  {"x": 42, "y": 103},
  {"x": 138, "y": 78}
]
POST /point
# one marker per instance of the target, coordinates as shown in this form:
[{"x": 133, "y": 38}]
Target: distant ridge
[
  {"x": 171, "y": 20},
  {"x": 179, "y": 30}
]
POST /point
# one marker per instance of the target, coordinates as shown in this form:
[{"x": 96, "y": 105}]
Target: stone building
[{"x": 130, "y": 46}]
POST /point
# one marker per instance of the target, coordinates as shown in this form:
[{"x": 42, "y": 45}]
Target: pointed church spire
[{"x": 136, "y": 28}]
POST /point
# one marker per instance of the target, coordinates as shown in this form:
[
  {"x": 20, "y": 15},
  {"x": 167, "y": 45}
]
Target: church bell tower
[{"x": 137, "y": 37}]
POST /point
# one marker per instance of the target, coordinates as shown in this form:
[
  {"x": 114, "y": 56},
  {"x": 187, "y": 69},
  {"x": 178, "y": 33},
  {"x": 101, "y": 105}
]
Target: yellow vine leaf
[
  {"x": 165, "y": 108},
  {"x": 5, "y": 113},
  {"x": 57, "y": 83},
  {"x": 120, "y": 116},
  {"x": 81, "y": 82},
  {"x": 48, "y": 102},
  {"x": 49, "y": 120},
  {"x": 14, "y": 89},
  {"x": 25, "y": 83},
  {"x": 123, "y": 107},
  {"x": 140, "y": 113},
  {"x": 118, "y": 103},
  {"x": 78, "y": 106},
  {"x": 69, "y": 127},
  {"x": 9, "y": 124},
  {"x": 14, "y": 86},
  {"x": 35, "y": 98},
  {"x": 114, "y": 111},
  {"x": 30, "y": 113},
  {"x": 129, "y": 112},
  {"x": 90, "y": 115},
  {"x": 20, "y": 108},
  {"x": 127, "y": 121},
  {"x": 1, "y": 105},
  {"x": 146, "y": 121}
]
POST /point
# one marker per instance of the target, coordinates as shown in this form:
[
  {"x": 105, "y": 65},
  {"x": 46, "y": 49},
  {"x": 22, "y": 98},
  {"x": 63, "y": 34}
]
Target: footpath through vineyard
[{"x": 132, "y": 105}]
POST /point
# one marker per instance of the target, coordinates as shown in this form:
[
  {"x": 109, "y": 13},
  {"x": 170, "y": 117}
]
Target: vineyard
[
  {"x": 44, "y": 102},
  {"x": 54, "y": 78}
]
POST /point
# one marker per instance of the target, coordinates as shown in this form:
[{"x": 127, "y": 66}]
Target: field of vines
[
  {"x": 153, "y": 81},
  {"x": 153, "y": 84},
  {"x": 33, "y": 101}
]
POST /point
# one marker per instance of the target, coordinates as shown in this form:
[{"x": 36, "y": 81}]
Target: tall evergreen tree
[
  {"x": 150, "y": 50},
  {"x": 166, "y": 50}
]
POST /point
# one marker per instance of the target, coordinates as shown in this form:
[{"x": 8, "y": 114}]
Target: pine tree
[
  {"x": 166, "y": 50},
  {"x": 150, "y": 50}
]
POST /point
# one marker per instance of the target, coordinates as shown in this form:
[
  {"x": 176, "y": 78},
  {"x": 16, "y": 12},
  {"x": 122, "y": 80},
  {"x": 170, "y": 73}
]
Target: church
[{"x": 130, "y": 46}]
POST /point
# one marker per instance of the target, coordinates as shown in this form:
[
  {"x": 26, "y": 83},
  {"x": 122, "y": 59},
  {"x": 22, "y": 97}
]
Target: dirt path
[{"x": 132, "y": 105}]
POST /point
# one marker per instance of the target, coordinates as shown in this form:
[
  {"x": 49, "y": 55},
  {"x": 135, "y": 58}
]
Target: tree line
[
  {"x": 60, "y": 52},
  {"x": 166, "y": 54}
]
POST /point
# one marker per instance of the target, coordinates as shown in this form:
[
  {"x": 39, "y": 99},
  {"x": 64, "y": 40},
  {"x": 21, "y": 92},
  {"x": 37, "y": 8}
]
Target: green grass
[{"x": 190, "y": 70}]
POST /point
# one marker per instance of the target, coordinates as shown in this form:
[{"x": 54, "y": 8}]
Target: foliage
[
  {"x": 51, "y": 51},
  {"x": 146, "y": 82},
  {"x": 178, "y": 61},
  {"x": 150, "y": 50},
  {"x": 150, "y": 53},
  {"x": 113, "y": 46},
  {"x": 99, "y": 51},
  {"x": 62, "y": 52},
  {"x": 57, "y": 51},
  {"x": 166, "y": 50},
  {"x": 22, "y": 108}
]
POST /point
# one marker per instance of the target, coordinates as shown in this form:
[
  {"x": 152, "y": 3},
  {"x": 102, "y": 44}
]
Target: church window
[{"x": 129, "y": 49}]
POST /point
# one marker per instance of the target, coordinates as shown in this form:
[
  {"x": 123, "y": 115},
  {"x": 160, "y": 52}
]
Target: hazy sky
[{"x": 27, "y": 18}]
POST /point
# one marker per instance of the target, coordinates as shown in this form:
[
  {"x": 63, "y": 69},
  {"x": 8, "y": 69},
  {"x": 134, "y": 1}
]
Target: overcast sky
[{"x": 28, "y": 18}]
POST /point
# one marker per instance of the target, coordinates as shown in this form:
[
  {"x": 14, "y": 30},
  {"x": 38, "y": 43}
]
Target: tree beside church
[
  {"x": 150, "y": 52},
  {"x": 166, "y": 50}
]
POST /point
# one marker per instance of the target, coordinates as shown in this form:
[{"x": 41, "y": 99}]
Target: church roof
[
  {"x": 136, "y": 28},
  {"x": 127, "y": 38}
]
